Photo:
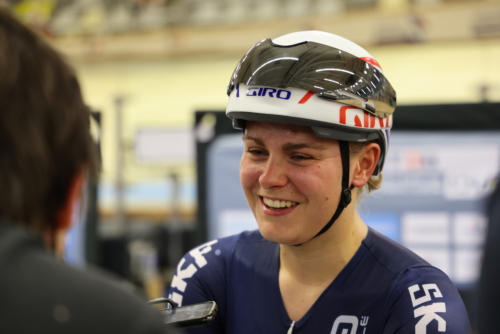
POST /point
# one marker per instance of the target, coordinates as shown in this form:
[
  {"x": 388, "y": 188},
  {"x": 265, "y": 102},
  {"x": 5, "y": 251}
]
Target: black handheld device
[{"x": 188, "y": 315}]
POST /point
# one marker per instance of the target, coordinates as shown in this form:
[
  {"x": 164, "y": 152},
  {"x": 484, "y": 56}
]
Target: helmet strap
[{"x": 345, "y": 194}]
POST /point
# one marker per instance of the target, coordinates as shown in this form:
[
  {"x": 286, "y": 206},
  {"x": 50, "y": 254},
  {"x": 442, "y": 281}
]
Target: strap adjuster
[{"x": 346, "y": 197}]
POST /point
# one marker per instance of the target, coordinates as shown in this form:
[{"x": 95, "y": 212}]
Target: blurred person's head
[
  {"x": 46, "y": 149},
  {"x": 317, "y": 110}
]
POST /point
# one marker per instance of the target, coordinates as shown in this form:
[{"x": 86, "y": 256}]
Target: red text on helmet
[{"x": 369, "y": 120}]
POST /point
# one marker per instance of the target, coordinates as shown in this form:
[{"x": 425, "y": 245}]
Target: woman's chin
[{"x": 280, "y": 237}]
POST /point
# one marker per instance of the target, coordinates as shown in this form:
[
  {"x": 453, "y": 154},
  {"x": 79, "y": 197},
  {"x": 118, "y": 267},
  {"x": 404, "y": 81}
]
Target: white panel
[
  {"x": 426, "y": 228},
  {"x": 467, "y": 266},
  {"x": 467, "y": 170},
  {"x": 469, "y": 228},
  {"x": 164, "y": 145}
]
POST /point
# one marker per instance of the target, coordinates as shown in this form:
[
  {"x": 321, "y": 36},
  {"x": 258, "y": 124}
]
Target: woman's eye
[
  {"x": 301, "y": 157},
  {"x": 256, "y": 152}
]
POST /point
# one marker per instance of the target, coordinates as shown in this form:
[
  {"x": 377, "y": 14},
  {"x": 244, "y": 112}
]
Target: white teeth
[{"x": 278, "y": 204}]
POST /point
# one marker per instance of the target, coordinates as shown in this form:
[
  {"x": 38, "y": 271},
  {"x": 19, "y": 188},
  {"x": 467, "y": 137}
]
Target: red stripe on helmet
[
  {"x": 306, "y": 97},
  {"x": 343, "y": 116},
  {"x": 371, "y": 61}
]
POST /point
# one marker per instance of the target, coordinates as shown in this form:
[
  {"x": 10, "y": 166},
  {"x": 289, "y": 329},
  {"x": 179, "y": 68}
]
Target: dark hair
[{"x": 44, "y": 128}]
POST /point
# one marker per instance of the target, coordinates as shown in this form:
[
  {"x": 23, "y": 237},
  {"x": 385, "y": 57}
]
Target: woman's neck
[
  {"x": 321, "y": 259},
  {"x": 307, "y": 270}
]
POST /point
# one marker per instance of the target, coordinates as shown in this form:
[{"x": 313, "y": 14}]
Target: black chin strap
[{"x": 345, "y": 194}]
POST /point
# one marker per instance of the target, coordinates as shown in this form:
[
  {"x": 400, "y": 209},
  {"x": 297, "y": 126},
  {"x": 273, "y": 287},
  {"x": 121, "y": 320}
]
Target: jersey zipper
[{"x": 291, "y": 328}]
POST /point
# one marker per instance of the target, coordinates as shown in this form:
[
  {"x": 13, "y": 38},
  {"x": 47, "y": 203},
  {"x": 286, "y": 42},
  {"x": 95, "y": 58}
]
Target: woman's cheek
[
  {"x": 249, "y": 175},
  {"x": 309, "y": 179}
]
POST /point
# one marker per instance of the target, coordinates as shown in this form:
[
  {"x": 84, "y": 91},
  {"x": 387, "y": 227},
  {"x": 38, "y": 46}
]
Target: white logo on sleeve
[
  {"x": 427, "y": 312},
  {"x": 178, "y": 281}
]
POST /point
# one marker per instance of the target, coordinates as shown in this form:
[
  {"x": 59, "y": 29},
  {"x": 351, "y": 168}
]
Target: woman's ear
[
  {"x": 65, "y": 214},
  {"x": 364, "y": 164}
]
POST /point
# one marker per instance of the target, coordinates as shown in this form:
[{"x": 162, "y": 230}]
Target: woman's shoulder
[
  {"x": 216, "y": 253},
  {"x": 419, "y": 293},
  {"x": 394, "y": 257},
  {"x": 221, "y": 251},
  {"x": 425, "y": 298},
  {"x": 229, "y": 243},
  {"x": 202, "y": 273},
  {"x": 400, "y": 261}
]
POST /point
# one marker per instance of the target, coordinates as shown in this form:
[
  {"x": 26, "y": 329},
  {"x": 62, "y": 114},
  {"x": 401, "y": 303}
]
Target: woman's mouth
[{"x": 277, "y": 204}]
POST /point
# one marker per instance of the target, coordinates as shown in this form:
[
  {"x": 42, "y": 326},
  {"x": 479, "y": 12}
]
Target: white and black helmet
[{"x": 315, "y": 79}]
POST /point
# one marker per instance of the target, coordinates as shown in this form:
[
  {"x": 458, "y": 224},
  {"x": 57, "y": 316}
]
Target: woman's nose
[{"x": 273, "y": 175}]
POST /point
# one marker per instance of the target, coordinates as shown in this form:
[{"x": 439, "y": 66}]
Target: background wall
[{"x": 168, "y": 58}]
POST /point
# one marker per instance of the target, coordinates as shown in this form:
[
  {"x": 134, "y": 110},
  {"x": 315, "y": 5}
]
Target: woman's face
[{"x": 291, "y": 179}]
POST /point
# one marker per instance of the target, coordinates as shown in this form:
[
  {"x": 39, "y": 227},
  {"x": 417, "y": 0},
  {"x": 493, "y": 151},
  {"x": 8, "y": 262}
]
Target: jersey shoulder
[
  {"x": 422, "y": 298},
  {"x": 202, "y": 273},
  {"x": 391, "y": 255}
]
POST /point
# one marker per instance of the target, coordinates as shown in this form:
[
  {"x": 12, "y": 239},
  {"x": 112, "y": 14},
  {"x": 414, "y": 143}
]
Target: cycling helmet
[{"x": 316, "y": 79}]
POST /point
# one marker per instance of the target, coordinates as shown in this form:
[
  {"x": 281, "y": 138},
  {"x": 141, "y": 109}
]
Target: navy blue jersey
[{"x": 385, "y": 288}]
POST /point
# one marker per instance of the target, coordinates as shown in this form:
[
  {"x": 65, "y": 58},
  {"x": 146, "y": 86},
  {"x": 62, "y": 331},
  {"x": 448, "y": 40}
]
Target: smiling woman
[
  {"x": 289, "y": 163},
  {"x": 314, "y": 266}
]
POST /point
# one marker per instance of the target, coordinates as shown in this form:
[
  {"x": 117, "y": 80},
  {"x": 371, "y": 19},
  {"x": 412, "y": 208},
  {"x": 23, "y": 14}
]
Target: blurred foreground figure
[
  {"x": 489, "y": 296},
  {"x": 46, "y": 153}
]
